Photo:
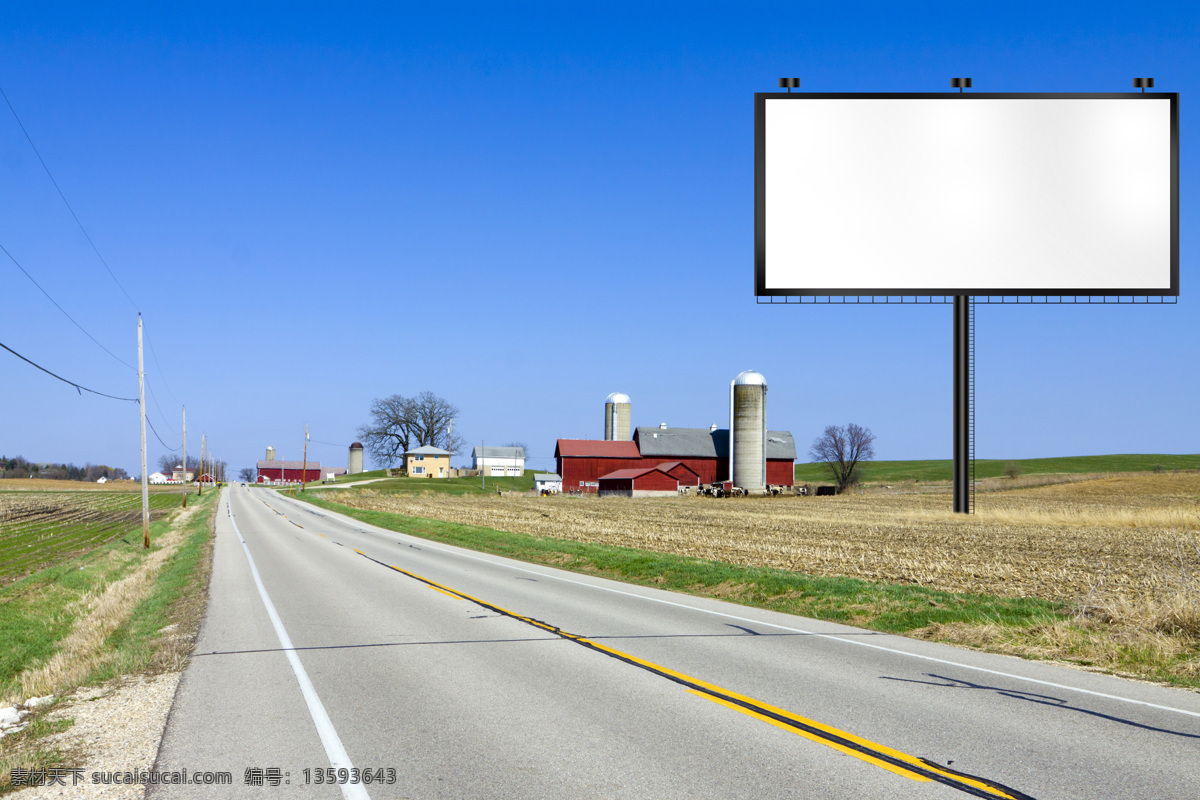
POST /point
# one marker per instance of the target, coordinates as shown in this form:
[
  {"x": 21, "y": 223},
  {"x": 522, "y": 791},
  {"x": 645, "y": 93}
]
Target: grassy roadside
[
  {"x": 1024, "y": 626},
  {"x": 117, "y": 610}
]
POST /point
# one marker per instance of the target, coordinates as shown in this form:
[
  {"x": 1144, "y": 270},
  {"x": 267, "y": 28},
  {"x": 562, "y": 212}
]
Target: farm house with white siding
[{"x": 499, "y": 461}]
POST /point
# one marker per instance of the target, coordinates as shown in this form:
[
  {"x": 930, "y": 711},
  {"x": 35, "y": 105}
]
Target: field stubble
[{"x": 1058, "y": 542}]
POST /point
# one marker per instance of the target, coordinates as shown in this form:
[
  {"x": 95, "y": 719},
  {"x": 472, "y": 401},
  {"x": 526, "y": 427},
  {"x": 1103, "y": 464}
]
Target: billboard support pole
[{"x": 962, "y": 405}]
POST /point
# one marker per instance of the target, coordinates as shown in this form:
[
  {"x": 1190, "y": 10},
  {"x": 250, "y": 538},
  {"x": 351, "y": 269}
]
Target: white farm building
[
  {"x": 499, "y": 461},
  {"x": 547, "y": 482}
]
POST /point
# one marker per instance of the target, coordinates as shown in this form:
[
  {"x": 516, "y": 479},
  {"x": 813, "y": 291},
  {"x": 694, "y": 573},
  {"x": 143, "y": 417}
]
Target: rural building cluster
[
  {"x": 664, "y": 460},
  {"x": 745, "y": 457},
  {"x": 273, "y": 472},
  {"x": 178, "y": 476}
]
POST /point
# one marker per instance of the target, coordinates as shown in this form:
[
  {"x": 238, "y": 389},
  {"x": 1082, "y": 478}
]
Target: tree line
[{"x": 19, "y": 467}]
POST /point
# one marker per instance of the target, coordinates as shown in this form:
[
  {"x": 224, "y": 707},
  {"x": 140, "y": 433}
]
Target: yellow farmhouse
[{"x": 427, "y": 462}]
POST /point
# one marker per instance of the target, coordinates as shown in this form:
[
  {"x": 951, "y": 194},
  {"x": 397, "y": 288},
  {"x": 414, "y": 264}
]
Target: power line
[
  {"x": 95, "y": 249},
  {"x": 29, "y": 139},
  {"x": 160, "y": 441},
  {"x": 161, "y": 372},
  {"x": 154, "y": 397},
  {"x": 78, "y": 387},
  {"x": 63, "y": 310}
]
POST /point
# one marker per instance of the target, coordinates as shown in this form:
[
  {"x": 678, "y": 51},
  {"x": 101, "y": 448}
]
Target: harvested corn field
[{"x": 1123, "y": 535}]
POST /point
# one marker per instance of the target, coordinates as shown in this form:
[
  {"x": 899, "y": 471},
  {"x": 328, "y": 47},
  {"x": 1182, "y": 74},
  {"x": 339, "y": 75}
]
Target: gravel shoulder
[{"x": 118, "y": 727}]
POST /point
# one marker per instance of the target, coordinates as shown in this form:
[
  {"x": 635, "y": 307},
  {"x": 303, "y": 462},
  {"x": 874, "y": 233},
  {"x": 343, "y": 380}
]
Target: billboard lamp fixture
[
  {"x": 792, "y": 83},
  {"x": 959, "y": 83},
  {"x": 1143, "y": 84}
]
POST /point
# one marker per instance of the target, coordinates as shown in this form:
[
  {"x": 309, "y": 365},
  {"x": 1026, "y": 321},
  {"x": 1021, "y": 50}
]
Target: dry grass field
[{"x": 1122, "y": 535}]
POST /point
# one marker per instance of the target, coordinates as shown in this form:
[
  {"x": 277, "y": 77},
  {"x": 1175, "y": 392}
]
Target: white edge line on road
[
  {"x": 338, "y": 758},
  {"x": 460, "y": 552}
]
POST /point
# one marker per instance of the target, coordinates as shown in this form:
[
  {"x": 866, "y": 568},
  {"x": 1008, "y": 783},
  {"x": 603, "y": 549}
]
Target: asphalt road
[{"x": 436, "y": 672}]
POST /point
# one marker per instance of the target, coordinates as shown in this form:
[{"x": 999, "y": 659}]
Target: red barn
[
  {"x": 702, "y": 452},
  {"x": 643, "y": 482},
  {"x": 289, "y": 471},
  {"x": 581, "y": 462},
  {"x": 706, "y": 452},
  {"x": 681, "y": 472}
]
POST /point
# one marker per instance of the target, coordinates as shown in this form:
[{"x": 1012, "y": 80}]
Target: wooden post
[
  {"x": 304, "y": 463},
  {"x": 142, "y": 412},
  {"x": 185, "y": 489}
]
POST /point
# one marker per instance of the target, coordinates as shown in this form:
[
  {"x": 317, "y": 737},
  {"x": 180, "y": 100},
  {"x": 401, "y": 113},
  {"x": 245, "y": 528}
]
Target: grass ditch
[
  {"x": 1153, "y": 634},
  {"x": 118, "y": 610}
]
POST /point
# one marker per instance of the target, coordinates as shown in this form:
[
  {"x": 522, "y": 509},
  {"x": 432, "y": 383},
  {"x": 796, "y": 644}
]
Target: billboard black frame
[{"x": 761, "y": 291}]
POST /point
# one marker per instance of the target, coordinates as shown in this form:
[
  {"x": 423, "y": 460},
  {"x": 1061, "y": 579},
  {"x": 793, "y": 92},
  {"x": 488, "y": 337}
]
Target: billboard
[{"x": 966, "y": 194}]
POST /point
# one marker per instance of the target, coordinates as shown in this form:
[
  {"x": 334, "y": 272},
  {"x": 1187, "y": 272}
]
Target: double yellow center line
[{"x": 917, "y": 769}]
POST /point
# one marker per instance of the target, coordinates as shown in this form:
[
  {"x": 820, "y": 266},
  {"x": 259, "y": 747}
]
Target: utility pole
[
  {"x": 185, "y": 489},
  {"x": 483, "y": 466},
  {"x": 142, "y": 412},
  {"x": 304, "y": 463},
  {"x": 200, "y": 483}
]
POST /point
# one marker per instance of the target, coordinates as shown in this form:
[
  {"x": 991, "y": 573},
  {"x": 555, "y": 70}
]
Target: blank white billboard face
[{"x": 966, "y": 194}]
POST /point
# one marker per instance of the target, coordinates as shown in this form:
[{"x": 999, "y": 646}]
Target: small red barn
[
  {"x": 639, "y": 482},
  {"x": 581, "y": 462},
  {"x": 681, "y": 472}
]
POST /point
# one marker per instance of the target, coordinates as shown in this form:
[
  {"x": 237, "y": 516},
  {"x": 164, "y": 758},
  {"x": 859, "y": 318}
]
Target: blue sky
[{"x": 522, "y": 208}]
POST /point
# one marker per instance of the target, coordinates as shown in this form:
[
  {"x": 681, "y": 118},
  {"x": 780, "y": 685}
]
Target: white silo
[
  {"x": 356, "y": 454},
  {"x": 748, "y": 431},
  {"x": 270, "y": 453},
  {"x": 616, "y": 417}
]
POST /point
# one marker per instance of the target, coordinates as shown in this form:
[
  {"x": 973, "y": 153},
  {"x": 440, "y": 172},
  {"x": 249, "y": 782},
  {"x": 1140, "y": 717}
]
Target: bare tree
[
  {"x": 520, "y": 445},
  {"x": 169, "y": 461},
  {"x": 389, "y": 433},
  {"x": 842, "y": 449},
  {"x": 399, "y": 423},
  {"x": 247, "y": 475},
  {"x": 434, "y": 422}
]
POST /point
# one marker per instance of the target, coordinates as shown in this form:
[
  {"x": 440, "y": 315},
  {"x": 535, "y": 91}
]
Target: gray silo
[
  {"x": 270, "y": 453},
  {"x": 616, "y": 417},
  {"x": 356, "y": 453},
  {"x": 748, "y": 431}
]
